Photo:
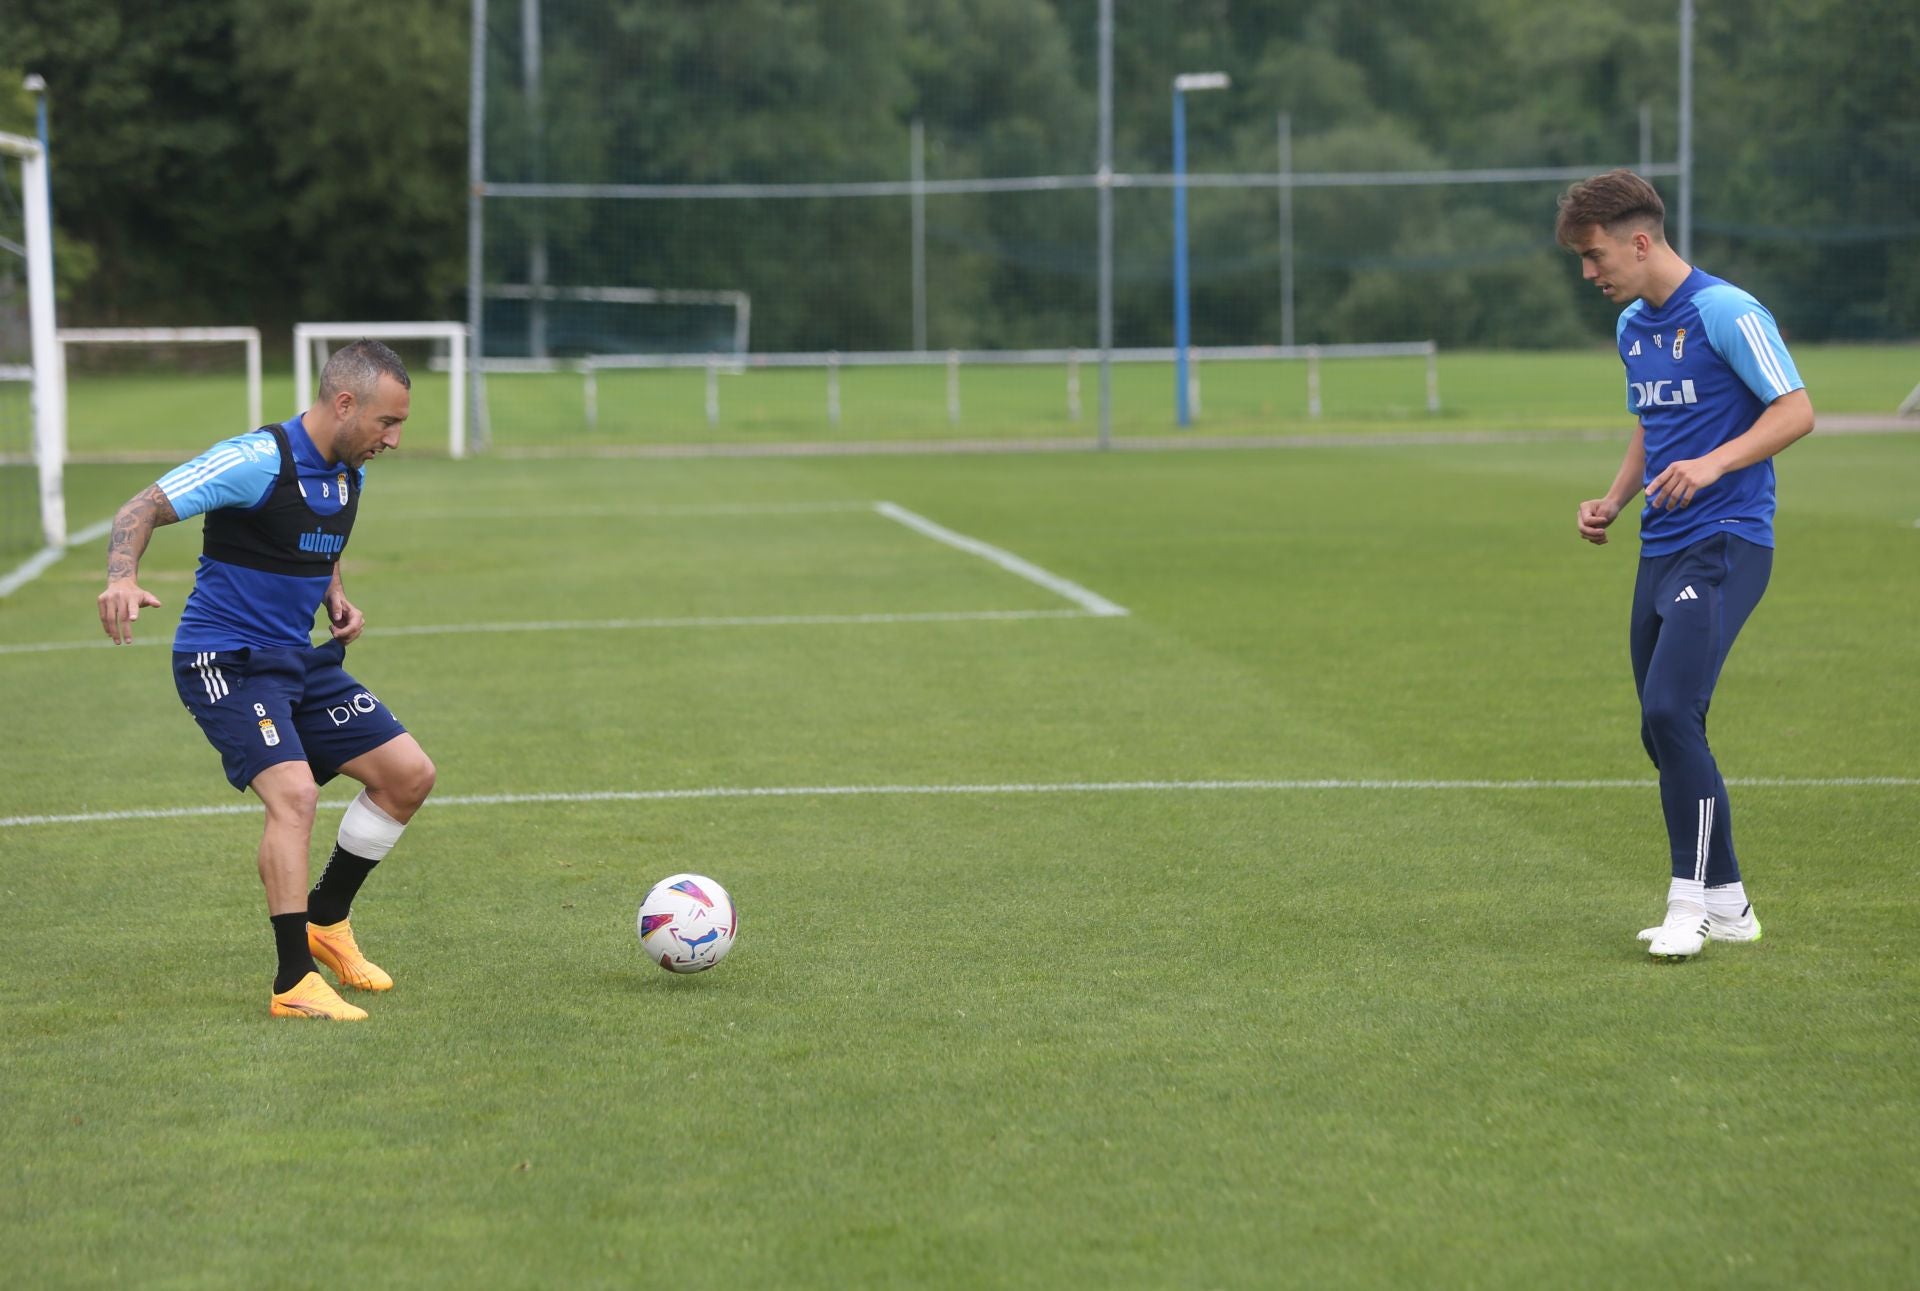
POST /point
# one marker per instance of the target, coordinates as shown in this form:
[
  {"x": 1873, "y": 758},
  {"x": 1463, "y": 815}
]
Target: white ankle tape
[{"x": 366, "y": 831}]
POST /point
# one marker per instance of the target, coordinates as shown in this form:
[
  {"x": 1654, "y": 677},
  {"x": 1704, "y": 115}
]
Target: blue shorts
[{"x": 264, "y": 707}]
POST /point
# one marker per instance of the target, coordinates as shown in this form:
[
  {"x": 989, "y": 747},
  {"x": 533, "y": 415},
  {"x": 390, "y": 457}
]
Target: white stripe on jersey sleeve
[
  {"x": 227, "y": 474},
  {"x": 210, "y": 465},
  {"x": 1756, "y": 334}
]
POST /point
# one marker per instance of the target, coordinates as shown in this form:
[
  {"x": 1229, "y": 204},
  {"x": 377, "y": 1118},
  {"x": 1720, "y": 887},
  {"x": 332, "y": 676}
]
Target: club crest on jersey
[
  {"x": 342, "y": 478},
  {"x": 268, "y": 732},
  {"x": 1679, "y": 342}
]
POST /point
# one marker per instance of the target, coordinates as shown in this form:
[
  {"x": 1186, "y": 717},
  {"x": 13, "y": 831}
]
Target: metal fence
[{"x": 643, "y": 176}]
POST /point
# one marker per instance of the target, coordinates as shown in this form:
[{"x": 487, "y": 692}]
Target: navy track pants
[{"x": 1687, "y": 609}]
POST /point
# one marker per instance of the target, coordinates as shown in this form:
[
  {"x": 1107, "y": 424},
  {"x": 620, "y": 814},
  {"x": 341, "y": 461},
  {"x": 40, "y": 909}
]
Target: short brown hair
[
  {"x": 358, "y": 367},
  {"x": 1610, "y": 200}
]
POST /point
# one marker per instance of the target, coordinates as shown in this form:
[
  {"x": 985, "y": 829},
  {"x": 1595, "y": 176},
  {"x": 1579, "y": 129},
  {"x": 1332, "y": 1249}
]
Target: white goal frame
[
  {"x": 247, "y": 336},
  {"x": 45, "y": 374},
  {"x": 309, "y": 342}
]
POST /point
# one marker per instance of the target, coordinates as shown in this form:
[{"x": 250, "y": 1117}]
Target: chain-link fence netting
[{"x": 684, "y": 178}]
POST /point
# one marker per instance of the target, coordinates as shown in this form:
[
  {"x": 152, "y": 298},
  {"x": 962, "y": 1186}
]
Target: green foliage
[
  {"x": 17, "y": 113},
  {"x": 154, "y": 165},
  {"x": 74, "y": 259},
  {"x": 1814, "y": 155},
  {"x": 267, "y": 159},
  {"x": 365, "y": 102},
  {"x": 250, "y": 159}
]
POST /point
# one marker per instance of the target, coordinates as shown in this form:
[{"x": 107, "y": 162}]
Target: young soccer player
[
  {"x": 285, "y": 715},
  {"x": 1717, "y": 397}
]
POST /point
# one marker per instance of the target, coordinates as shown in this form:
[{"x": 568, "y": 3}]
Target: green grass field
[
  {"x": 1141, "y": 1007},
  {"x": 171, "y": 416}
]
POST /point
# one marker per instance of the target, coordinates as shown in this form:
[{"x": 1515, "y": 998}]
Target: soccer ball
[{"x": 687, "y": 923}]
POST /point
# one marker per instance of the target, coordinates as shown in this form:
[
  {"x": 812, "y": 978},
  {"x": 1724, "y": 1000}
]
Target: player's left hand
[
  {"x": 1675, "y": 486},
  {"x": 344, "y": 619}
]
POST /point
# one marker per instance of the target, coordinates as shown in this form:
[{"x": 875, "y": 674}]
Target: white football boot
[
  {"x": 1745, "y": 928},
  {"x": 1682, "y": 936}
]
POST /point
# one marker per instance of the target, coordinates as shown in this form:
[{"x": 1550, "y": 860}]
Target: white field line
[
  {"x": 1091, "y": 602},
  {"x": 630, "y": 625},
  {"x": 983, "y": 790},
  {"x": 690, "y": 510},
  {"x": 42, "y": 560},
  {"x": 30, "y": 569}
]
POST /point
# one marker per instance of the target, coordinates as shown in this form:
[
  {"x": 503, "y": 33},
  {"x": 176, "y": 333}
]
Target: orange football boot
[
  {"x": 334, "y": 946},
  {"x": 311, "y": 997}
]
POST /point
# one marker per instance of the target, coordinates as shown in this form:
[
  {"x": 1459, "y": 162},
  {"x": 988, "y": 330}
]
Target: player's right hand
[
  {"x": 1595, "y": 515},
  {"x": 120, "y": 605}
]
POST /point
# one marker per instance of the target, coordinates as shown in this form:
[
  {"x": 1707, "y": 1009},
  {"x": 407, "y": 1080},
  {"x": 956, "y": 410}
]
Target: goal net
[{"x": 536, "y": 326}]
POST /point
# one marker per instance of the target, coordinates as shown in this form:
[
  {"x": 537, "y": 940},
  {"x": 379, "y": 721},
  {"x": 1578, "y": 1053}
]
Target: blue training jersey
[
  {"x": 232, "y": 607},
  {"x": 1700, "y": 371}
]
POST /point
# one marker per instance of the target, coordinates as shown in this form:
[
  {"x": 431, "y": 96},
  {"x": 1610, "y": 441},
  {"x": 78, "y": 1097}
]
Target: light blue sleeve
[
  {"x": 1745, "y": 335},
  {"x": 237, "y": 472}
]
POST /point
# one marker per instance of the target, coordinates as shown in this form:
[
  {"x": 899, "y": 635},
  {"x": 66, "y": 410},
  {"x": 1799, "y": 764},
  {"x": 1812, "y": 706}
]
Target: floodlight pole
[
  {"x": 1181, "y": 322},
  {"x": 476, "y": 232},
  {"x": 917, "y": 170},
  {"x": 36, "y": 85},
  {"x": 1105, "y": 164},
  {"x": 1286, "y": 228},
  {"x": 1686, "y": 130},
  {"x": 530, "y": 69}
]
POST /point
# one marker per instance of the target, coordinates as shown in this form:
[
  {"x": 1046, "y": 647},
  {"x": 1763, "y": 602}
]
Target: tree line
[{"x": 268, "y": 160}]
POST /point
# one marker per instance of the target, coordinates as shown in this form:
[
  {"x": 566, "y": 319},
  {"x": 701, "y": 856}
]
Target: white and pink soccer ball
[{"x": 687, "y": 923}]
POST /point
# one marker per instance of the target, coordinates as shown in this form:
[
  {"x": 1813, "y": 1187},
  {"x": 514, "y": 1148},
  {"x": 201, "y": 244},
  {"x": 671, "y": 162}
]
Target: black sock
[
  {"x": 332, "y": 897},
  {"x": 290, "y": 938}
]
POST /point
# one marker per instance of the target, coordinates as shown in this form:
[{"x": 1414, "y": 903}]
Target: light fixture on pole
[
  {"x": 36, "y": 85},
  {"x": 1182, "y": 84}
]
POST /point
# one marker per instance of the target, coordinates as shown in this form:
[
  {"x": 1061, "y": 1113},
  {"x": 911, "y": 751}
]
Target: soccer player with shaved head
[
  {"x": 1716, "y": 397},
  {"x": 284, "y": 713}
]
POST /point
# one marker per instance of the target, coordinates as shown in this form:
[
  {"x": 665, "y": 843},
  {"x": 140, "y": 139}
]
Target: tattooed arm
[{"x": 133, "y": 527}]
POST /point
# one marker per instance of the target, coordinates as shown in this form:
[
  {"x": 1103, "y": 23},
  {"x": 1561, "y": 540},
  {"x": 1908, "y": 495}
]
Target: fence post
[
  {"x": 1313, "y": 381},
  {"x": 953, "y": 387},
  {"x": 713, "y": 390},
  {"x": 1073, "y": 385},
  {"x": 592, "y": 393},
  {"x": 1433, "y": 376},
  {"x": 833, "y": 388}
]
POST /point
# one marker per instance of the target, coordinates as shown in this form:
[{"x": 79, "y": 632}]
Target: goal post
[
  {"x": 43, "y": 371},
  {"x": 247, "y": 336},
  {"x": 307, "y": 337}
]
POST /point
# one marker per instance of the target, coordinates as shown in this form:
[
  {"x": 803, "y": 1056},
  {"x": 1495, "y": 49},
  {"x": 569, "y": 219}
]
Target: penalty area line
[
  {"x": 41, "y": 561},
  {"x": 1091, "y": 602},
  {"x": 984, "y": 790}
]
